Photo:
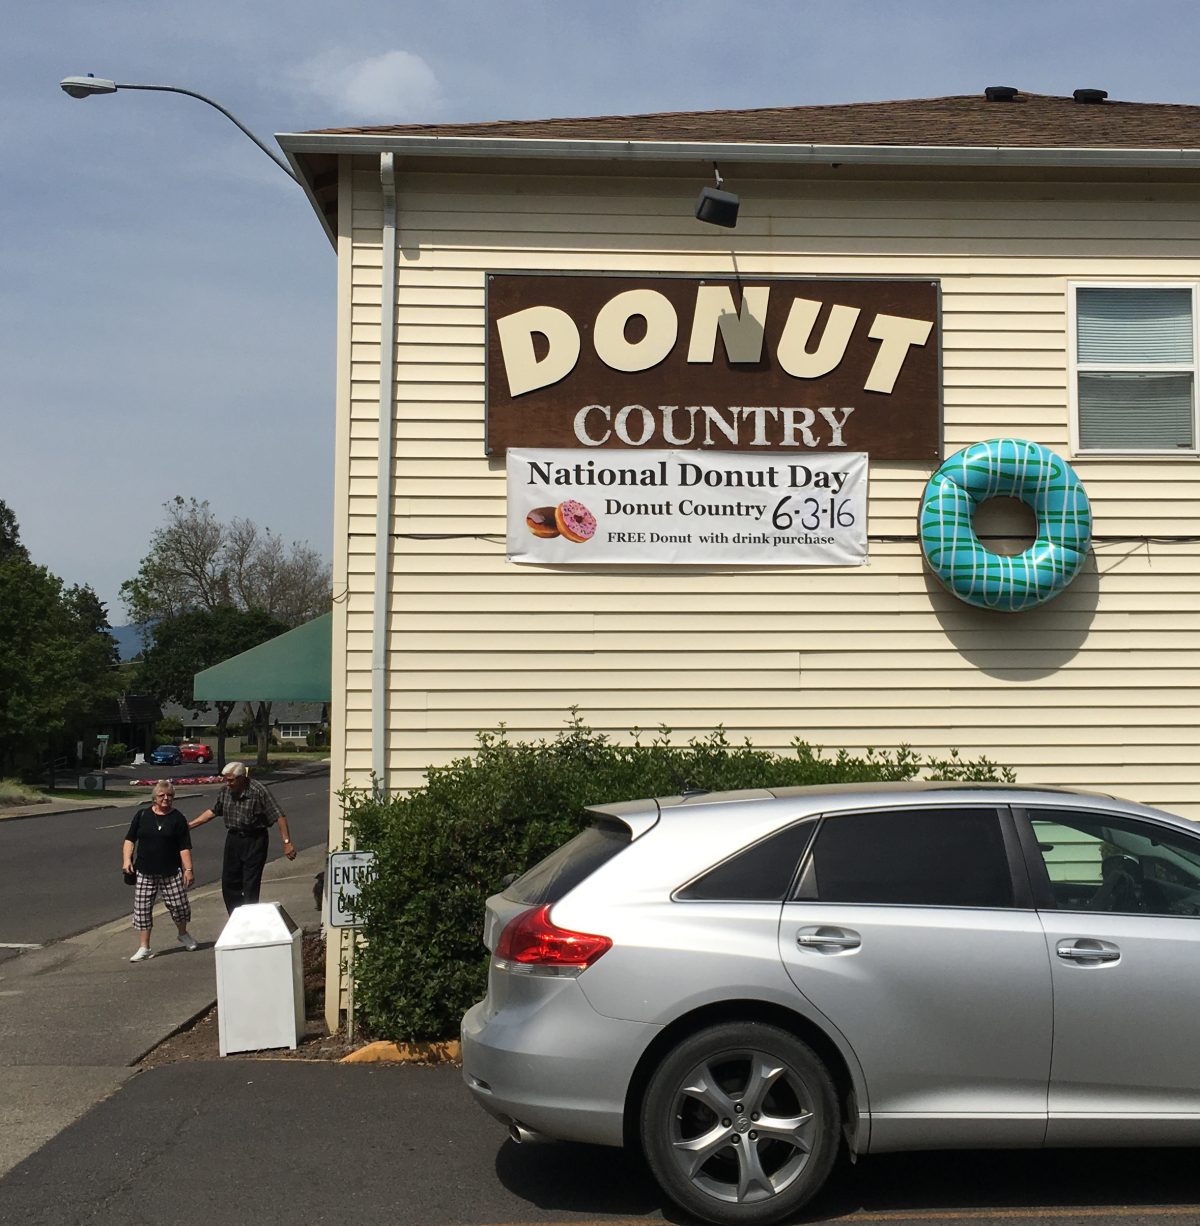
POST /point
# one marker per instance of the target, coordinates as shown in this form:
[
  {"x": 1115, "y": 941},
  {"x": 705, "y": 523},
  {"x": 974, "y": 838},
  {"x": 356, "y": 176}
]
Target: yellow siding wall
[{"x": 1095, "y": 689}]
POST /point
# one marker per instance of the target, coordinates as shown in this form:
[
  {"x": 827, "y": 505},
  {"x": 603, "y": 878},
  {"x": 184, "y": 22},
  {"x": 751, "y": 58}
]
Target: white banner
[{"x": 687, "y": 508}]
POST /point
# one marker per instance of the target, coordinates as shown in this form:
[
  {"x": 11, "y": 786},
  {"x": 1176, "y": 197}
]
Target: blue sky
[{"x": 166, "y": 295}]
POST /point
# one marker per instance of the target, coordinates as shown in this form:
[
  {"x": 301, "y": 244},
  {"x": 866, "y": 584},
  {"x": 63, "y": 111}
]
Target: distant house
[
  {"x": 291, "y": 722},
  {"x": 199, "y": 722}
]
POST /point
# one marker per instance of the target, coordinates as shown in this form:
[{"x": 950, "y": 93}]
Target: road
[
  {"x": 61, "y": 873},
  {"x": 282, "y": 1142}
]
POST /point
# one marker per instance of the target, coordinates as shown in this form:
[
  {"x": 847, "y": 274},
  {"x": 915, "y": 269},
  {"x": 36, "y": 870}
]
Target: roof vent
[
  {"x": 1090, "y": 95},
  {"x": 1000, "y": 93}
]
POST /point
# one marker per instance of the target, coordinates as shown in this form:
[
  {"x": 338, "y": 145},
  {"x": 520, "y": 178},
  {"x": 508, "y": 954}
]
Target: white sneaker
[
  {"x": 143, "y": 952},
  {"x": 188, "y": 941}
]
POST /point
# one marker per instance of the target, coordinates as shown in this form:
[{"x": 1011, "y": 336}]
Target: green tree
[
  {"x": 57, "y": 659},
  {"x": 196, "y": 562},
  {"x": 189, "y": 642},
  {"x": 10, "y": 536}
]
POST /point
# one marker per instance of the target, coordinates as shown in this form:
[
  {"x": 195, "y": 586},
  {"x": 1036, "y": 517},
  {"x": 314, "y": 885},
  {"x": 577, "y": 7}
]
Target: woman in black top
[{"x": 159, "y": 832}]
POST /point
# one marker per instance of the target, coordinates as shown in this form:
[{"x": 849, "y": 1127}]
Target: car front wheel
[{"x": 740, "y": 1124}]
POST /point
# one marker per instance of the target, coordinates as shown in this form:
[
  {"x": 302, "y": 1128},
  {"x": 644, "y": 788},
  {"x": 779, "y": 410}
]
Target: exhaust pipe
[{"x": 522, "y": 1135}]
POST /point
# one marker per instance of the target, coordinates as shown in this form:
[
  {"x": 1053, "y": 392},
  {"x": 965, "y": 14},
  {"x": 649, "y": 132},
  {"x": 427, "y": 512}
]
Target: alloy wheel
[{"x": 740, "y": 1124}]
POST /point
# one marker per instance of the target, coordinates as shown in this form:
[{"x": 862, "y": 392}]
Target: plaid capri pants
[{"x": 147, "y": 889}]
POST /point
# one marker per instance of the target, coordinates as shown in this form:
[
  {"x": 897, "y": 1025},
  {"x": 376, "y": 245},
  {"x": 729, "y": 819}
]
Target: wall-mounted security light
[{"x": 716, "y": 207}]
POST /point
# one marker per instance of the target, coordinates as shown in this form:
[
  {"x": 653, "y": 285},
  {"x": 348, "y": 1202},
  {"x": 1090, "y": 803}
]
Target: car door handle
[
  {"x": 827, "y": 940},
  {"x": 1085, "y": 949}
]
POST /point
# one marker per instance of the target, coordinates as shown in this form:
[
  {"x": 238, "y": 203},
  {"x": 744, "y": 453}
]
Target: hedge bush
[
  {"x": 168, "y": 729},
  {"x": 442, "y": 849}
]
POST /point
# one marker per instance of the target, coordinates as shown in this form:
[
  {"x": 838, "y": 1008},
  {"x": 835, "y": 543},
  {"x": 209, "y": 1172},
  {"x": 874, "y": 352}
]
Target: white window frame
[
  {"x": 1074, "y": 371},
  {"x": 293, "y": 732}
]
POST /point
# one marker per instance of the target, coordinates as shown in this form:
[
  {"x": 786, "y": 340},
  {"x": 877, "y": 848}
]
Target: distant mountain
[{"x": 129, "y": 640}]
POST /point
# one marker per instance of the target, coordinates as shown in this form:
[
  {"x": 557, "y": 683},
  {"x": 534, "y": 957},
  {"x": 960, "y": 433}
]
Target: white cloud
[{"x": 396, "y": 86}]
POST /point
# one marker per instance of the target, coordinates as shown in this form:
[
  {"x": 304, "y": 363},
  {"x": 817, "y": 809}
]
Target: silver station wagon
[{"x": 739, "y": 983}]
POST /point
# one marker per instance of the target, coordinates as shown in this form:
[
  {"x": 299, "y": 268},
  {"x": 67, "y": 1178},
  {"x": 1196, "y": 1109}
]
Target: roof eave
[
  {"x": 731, "y": 151},
  {"x": 297, "y": 144}
]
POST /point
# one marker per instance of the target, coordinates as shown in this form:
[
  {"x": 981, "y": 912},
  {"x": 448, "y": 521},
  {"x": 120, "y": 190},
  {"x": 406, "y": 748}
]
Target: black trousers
[{"x": 242, "y": 867}]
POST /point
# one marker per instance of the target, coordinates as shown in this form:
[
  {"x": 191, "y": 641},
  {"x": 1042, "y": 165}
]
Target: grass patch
[
  {"x": 13, "y": 792},
  {"x": 44, "y": 794}
]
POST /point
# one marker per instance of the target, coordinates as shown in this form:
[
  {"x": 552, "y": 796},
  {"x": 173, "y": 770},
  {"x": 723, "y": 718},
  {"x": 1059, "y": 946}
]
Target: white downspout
[{"x": 383, "y": 493}]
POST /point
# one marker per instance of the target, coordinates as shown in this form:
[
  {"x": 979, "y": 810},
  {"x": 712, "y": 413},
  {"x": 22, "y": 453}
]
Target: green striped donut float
[{"x": 1005, "y": 468}]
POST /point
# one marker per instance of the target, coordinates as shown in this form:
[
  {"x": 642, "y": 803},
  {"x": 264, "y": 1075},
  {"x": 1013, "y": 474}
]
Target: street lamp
[{"x": 85, "y": 87}]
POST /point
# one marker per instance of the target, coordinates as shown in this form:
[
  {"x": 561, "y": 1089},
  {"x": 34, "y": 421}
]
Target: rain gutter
[
  {"x": 734, "y": 151},
  {"x": 384, "y": 484}
]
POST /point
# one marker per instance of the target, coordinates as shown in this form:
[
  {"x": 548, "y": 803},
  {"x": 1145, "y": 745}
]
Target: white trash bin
[{"x": 260, "y": 979}]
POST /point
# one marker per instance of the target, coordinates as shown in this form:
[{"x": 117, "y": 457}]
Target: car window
[
  {"x": 935, "y": 857},
  {"x": 760, "y": 873},
  {"x": 562, "y": 870},
  {"x": 1102, "y": 862}
]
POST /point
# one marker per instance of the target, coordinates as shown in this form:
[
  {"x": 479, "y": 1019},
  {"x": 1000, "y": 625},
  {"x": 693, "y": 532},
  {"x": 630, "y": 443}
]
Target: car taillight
[{"x": 531, "y": 943}]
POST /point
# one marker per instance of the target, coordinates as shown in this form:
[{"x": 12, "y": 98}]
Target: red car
[{"x": 194, "y": 751}]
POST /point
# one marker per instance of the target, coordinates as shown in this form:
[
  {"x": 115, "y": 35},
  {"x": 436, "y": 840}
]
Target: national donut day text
[{"x": 779, "y": 476}]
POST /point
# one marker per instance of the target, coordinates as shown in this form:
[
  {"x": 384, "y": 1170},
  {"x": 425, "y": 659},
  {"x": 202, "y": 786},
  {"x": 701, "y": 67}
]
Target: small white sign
[
  {"x": 687, "y": 508},
  {"x": 345, "y": 876}
]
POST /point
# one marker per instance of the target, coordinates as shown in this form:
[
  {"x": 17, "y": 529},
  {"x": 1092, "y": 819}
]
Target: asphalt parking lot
[{"x": 285, "y": 1142}]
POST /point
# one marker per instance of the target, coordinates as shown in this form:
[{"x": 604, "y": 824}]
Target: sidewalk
[{"x": 76, "y": 1015}]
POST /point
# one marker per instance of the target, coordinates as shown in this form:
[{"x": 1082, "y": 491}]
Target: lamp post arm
[{"x": 191, "y": 93}]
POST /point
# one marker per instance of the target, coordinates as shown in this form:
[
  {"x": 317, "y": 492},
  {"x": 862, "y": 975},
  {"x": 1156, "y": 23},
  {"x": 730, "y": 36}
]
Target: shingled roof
[{"x": 964, "y": 121}]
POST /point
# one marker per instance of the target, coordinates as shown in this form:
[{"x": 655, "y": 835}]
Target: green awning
[{"x": 295, "y": 667}]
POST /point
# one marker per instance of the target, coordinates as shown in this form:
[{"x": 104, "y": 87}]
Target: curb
[
  {"x": 51, "y": 808},
  {"x": 446, "y": 1052}
]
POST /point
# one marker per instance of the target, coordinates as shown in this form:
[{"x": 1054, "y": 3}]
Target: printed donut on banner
[{"x": 1005, "y": 468}]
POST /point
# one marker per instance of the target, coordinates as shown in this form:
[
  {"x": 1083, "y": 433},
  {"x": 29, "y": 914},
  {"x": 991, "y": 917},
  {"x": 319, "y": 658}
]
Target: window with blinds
[{"x": 1135, "y": 367}]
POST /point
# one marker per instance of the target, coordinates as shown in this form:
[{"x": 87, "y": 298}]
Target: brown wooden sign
[{"x": 759, "y": 364}]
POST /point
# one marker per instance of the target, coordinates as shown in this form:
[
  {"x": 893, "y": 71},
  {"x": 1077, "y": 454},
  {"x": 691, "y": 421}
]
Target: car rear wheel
[{"x": 740, "y": 1124}]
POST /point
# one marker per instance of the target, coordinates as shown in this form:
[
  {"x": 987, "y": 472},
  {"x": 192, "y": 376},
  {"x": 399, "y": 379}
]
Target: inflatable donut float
[{"x": 1005, "y": 468}]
